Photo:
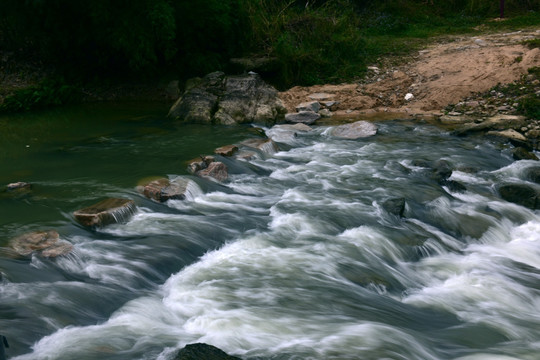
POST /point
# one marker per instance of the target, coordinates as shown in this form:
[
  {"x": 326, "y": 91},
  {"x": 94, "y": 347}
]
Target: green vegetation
[
  {"x": 50, "y": 92},
  {"x": 314, "y": 41}
]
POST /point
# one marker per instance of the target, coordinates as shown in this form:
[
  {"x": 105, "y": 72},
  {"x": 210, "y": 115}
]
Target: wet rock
[
  {"x": 533, "y": 174},
  {"x": 201, "y": 351},
  {"x": 511, "y": 135},
  {"x": 454, "y": 186},
  {"x": 229, "y": 100},
  {"x": 520, "y": 153},
  {"x": 199, "y": 164},
  {"x": 305, "y": 117},
  {"x": 356, "y": 130},
  {"x": 227, "y": 150},
  {"x": 441, "y": 170},
  {"x": 521, "y": 194},
  {"x": 108, "y": 211},
  {"x": 45, "y": 243},
  {"x": 497, "y": 122},
  {"x": 19, "y": 186},
  {"x": 266, "y": 146},
  {"x": 314, "y": 106},
  {"x": 163, "y": 189},
  {"x": 296, "y": 127},
  {"x": 215, "y": 170},
  {"x": 395, "y": 206}
]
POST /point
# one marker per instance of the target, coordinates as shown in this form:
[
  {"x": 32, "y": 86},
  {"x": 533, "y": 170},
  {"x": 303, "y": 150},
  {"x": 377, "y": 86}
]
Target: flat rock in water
[
  {"x": 163, "y": 189},
  {"x": 215, "y": 170},
  {"x": 108, "y": 211},
  {"x": 305, "y": 117},
  {"x": 356, "y": 130},
  {"x": 200, "y": 351},
  {"x": 266, "y": 146},
  {"x": 227, "y": 150},
  {"x": 45, "y": 243},
  {"x": 521, "y": 194}
]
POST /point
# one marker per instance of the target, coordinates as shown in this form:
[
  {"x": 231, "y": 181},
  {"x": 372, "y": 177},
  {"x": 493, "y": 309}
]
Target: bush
[{"x": 49, "y": 93}]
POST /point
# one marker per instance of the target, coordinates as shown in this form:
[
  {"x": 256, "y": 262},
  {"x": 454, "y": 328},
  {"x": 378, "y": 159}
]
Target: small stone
[
  {"x": 321, "y": 96},
  {"x": 409, "y": 97},
  {"x": 325, "y": 113},
  {"x": 309, "y": 106}
]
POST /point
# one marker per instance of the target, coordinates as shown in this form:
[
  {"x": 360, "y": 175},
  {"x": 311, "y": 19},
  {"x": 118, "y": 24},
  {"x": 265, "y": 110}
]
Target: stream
[{"x": 293, "y": 257}]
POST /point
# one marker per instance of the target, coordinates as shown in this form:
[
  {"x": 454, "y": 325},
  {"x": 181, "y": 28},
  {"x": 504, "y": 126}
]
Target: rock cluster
[{"x": 320, "y": 105}]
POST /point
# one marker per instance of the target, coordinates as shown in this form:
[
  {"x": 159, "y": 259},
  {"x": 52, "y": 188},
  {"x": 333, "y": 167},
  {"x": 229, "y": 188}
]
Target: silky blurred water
[{"x": 294, "y": 257}]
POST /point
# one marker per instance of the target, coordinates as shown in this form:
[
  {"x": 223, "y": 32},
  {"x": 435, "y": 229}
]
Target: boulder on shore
[
  {"x": 45, "y": 243},
  {"x": 229, "y": 100},
  {"x": 108, "y": 211},
  {"x": 356, "y": 130}
]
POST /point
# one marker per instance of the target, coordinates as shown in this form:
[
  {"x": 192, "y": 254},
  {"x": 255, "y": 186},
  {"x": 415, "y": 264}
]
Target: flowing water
[{"x": 293, "y": 257}]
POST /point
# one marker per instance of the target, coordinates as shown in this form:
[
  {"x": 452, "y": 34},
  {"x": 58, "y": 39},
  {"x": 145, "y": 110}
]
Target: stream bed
[{"x": 293, "y": 257}]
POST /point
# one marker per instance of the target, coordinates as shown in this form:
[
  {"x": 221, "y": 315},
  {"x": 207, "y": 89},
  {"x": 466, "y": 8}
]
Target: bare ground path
[{"x": 442, "y": 74}]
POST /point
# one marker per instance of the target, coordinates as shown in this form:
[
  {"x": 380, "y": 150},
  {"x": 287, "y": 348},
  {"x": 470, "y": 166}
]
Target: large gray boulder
[{"x": 229, "y": 100}]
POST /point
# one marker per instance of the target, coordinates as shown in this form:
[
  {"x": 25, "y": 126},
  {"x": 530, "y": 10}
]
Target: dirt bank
[{"x": 442, "y": 74}]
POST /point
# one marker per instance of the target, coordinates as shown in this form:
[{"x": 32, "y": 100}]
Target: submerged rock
[
  {"x": 45, "y": 243},
  {"x": 356, "y": 130},
  {"x": 19, "y": 186},
  {"x": 520, "y": 153},
  {"x": 441, "y": 170},
  {"x": 533, "y": 174},
  {"x": 108, "y": 211},
  {"x": 163, "y": 189},
  {"x": 521, "y": 194},
  {"x": 200, "y": 351},
  {"x": 394, "y": 206},
  {"x": 229, "y": 100}
]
